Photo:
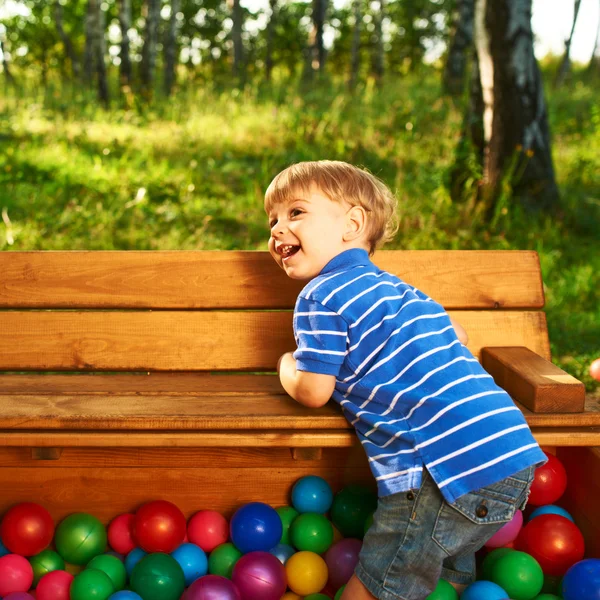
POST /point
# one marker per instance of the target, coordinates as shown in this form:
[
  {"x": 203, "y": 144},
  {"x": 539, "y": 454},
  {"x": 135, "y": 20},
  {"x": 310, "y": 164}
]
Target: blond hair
[{"x": 340, "y": 182}]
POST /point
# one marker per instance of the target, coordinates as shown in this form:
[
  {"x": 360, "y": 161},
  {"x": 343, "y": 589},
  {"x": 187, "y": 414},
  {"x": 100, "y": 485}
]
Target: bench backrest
[{"x": 227, "y": 310}]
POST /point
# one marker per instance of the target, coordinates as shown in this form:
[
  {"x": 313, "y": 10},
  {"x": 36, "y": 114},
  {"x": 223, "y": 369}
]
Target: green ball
[
  {"x": 490, "y": 560},
  {"x": 547, "y": 597},
  {"x": 158, "y": 576},
  {"x": 287, "y": 514},
  {"x": 519, "y": 574},
  {"x": 312, "y": 532},
  {"x": 112, "y": 566},
  {"x": 91, "y": 584},
  {"x": 45, "y": 562},
  {"x": 369, "y": 522},
  {"x": 79, "y": 538},
  {"x": 339, "y": 593},
  {"x": 443, "y": 591},
  {"x": 351, "y": 508},
  {"x": 222, "y": 560},
  {"x": 316, "y": 597}
]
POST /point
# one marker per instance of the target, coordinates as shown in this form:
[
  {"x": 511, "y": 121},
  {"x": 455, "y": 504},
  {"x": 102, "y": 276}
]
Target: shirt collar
[{"x": 349, "y": 258}]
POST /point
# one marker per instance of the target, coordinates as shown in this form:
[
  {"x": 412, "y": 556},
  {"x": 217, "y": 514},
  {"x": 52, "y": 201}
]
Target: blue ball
[
  {"x": 125, "y": 595},
  {"x": 551, "y": 509},
  {"x": 282, "y": 552},
  {"x": 582, "y": 581},
  {"x": 192, "y": 560},
  {"x": 132, "y": 559},
  {"x": 312, "y": 494},
  {"x": 255, "y": 527},
  {"x": 484, "y": 590},
  {"x": 3, "y": 549}
]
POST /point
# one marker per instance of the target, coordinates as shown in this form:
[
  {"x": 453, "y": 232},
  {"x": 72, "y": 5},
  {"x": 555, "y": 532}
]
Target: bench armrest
[{"x": 533, "y": 381}]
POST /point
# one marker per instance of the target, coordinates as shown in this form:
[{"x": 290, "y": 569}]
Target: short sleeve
[{"x": 321, "y": 335}]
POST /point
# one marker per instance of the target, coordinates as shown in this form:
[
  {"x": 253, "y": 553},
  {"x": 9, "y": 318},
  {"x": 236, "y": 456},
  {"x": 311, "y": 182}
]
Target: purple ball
[
  {"x": 341, "y": 560},
  {"x": 259, "y": 575},
  {"x": 212, "y": 587},
  {"x": 19, "y": 596}
]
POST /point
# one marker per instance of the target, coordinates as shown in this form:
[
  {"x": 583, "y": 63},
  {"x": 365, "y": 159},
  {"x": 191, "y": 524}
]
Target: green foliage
[{"x": 190, "y": 174}]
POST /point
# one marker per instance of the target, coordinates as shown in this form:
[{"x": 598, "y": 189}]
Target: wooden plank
[
  {"x": 535, "y": 382},
  {"x": 209, "y": 341},
  {"x": 228, "y": 279},
  {"x": 567, "y": 436}
]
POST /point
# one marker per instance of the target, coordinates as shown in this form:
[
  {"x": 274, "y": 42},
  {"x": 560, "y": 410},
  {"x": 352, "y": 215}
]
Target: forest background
[{"x": 158, "y": 124}]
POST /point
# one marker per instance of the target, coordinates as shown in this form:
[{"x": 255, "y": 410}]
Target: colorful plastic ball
[
  {"x": 312, "y": 532},
  {"x": 212, "y": 587},
  {"x": 133, "y": 558},
  {"x": 54, "y": 586},
  {"x": 16, "y": 574},
  {"x": 490, "y": 560},
  {"x": 554, "y": 541},
  {"x": 549, "y": 483},
  {"x": 595, "y": 369},
  {"x": 443, "y": 591},
  {"x": 112, "y": 566},
  {"x": 350, "y": 509},
  {"x": 27, "y": 529},
  {"x": 312, "y": 494},
  {"x": 287, "y": 514},
  {"x": 79, "y": 538},
  {"x": 551, "y": 509},
  {"x": 19, "y": 596},
  {"x": 255, "y": 527},
  {"x": 582, "y": 581},
  {"x": 507, "y": 533},
  {"x": 192, "y": 560},
  {"x": 291, "y": 596},
  {"x": 306, "y": 573},
  {"x": 45, "y": 562},
  {"x": 120, "y": 533},
  {"x": 159, "y": 526},
  {"x": 91, "y": 584},
  {"x": 317, "y": 597},
  {"x": 3, "y": 549},
  {"x": 282, "y": 552},
  {"x": 125, "y": 595},
  {"x": 259, "y": 575},
  {"x": 341, "y": 560},
  {"x": 158, "y": 577},
  {"x": 222, "y": 560},
  {"x": 339, "y": 593},
  {"x": 484, "y": 590},
  {"x": 519, "y": 575},
  {"x": 208, "y": 529}
]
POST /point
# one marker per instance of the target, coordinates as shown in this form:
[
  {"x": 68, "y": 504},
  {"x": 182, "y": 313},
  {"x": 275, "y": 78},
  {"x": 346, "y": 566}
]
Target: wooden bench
[{"x": 131, "y": 376}]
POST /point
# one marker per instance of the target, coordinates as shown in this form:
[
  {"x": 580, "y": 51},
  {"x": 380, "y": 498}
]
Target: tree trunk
[
  {"x": 9, "y": 76},
  {"x": 270, "y": 32},
  {"x": 459, "y": 49},
  {"x": 515, "y": 125},
  {"x": 66, "y": 40},
  {"x": 171, "y": 48},
  {"x": 315, "y": 56},
  {"x": 355, "y": 56},
  {"x": 152, "y": 15},
  {"x": 595, "y": 60},
  {"x": 99, "y": 26},
  {"x": 565, "y": 65},
  {"x": 125, "y": 25},
  {"x": 379, "y": 58},
  {"x": 88, "y": 53},
  {"x": 238, "y": 44}
]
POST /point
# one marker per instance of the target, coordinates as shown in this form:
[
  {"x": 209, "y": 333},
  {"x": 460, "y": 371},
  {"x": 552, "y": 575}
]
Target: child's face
[{"x": 306, "y": 233}]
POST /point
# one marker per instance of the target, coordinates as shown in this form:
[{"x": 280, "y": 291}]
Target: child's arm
[
  {"x": 461, "y": 334},
  {"x": 310, "y": 389}
]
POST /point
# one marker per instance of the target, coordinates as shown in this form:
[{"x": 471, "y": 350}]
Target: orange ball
[
  {"x": 595, "y": 369},
  {"x": 306, "y": 573}
]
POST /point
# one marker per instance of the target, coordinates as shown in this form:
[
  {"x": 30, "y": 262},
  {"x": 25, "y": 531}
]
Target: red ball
[
  {"x": 27, "y": 529},
  {"x": 120, "y": 533},
  {"x": 159, "y": 526},
  {"x": 208, "y": 529},
  {"x": 54, "y": 586},
  {"x": 554, "y": 541},
  {"x": 595, "y": 369},
  {"x": 550, "y": 482}
]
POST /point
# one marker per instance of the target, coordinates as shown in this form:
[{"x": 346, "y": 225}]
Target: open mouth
[{"x": 287, "y": 250}]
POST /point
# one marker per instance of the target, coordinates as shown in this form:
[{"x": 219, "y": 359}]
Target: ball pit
[
  {"x": 212, "y": 587},
  {"x": 582, "y": 581},
  {"x": 312, "y": 494},
  {"x": 259, "y": 575},
  {"x": 79, "y": 538},
  {"x": 27, "y": 529},
  {"x": 208, "y": 529},
  {"x": 54, "y": 586},
  {"x": 120, "y": 533},
  {"x": 550, "y": 482},
  {"x": 255, "y": 527},
  {"x": 158, "y": 576},
  {"x": 159, "y": 526}
]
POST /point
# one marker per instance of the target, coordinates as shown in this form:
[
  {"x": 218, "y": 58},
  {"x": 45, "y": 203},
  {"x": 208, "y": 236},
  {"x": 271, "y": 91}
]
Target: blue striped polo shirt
[{"x": 415, "y": 395}]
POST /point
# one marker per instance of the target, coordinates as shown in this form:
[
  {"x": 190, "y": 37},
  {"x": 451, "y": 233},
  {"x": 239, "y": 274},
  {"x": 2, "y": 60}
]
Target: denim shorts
[{"x": 417, "y": 537}]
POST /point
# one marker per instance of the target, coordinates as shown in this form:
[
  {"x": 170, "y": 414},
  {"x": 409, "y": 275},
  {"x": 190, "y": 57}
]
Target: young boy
[{"x": 452, "y": 455}]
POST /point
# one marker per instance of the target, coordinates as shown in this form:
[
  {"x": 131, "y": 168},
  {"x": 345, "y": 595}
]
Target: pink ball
[
  {"x": 120, "y": 533},
  {"x": 212, "y": 587},
  {"x": 259, "y": 575},
  {"x": 208, "y": 529},
  {"x": 508, "y": 533},
  {"x": 54, "y": 586},
  {"x": 341, "y": 560},
  {"x": 16, "y": 574}
]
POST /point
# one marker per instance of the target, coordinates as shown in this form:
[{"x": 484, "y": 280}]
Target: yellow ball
[
  {"x": 291, "y": 596},
  {"x": 306, "y": 573}
]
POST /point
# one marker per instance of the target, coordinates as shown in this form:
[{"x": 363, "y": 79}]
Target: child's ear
[{"x": 356, "y": 223}]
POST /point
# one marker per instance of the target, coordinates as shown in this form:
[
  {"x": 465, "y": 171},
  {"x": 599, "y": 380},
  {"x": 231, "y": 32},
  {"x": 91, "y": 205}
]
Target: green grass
[{"x": 190, "y": 174}]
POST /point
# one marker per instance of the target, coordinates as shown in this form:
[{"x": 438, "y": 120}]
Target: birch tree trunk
[
  {"x": 88, "y": 52},
  {"x": 238, "y": 47},
  {"x": 355, "y": 53},
  {"x": 565, "y": 65},
  {"x": 99, "y": 49},
  {"x": 594, "y": 59},
  {"x": 461, "y": 42},
  {"x": 171, "y": 48},
  {"x": 379, "y": 58},
  {"x": 66, "y": 40},
  {"x": 516, "y": 135},
  {"x": 152, "y": 14},
  {"x": 125, "y": 25},
  {"x": 270, "y": 32}
]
